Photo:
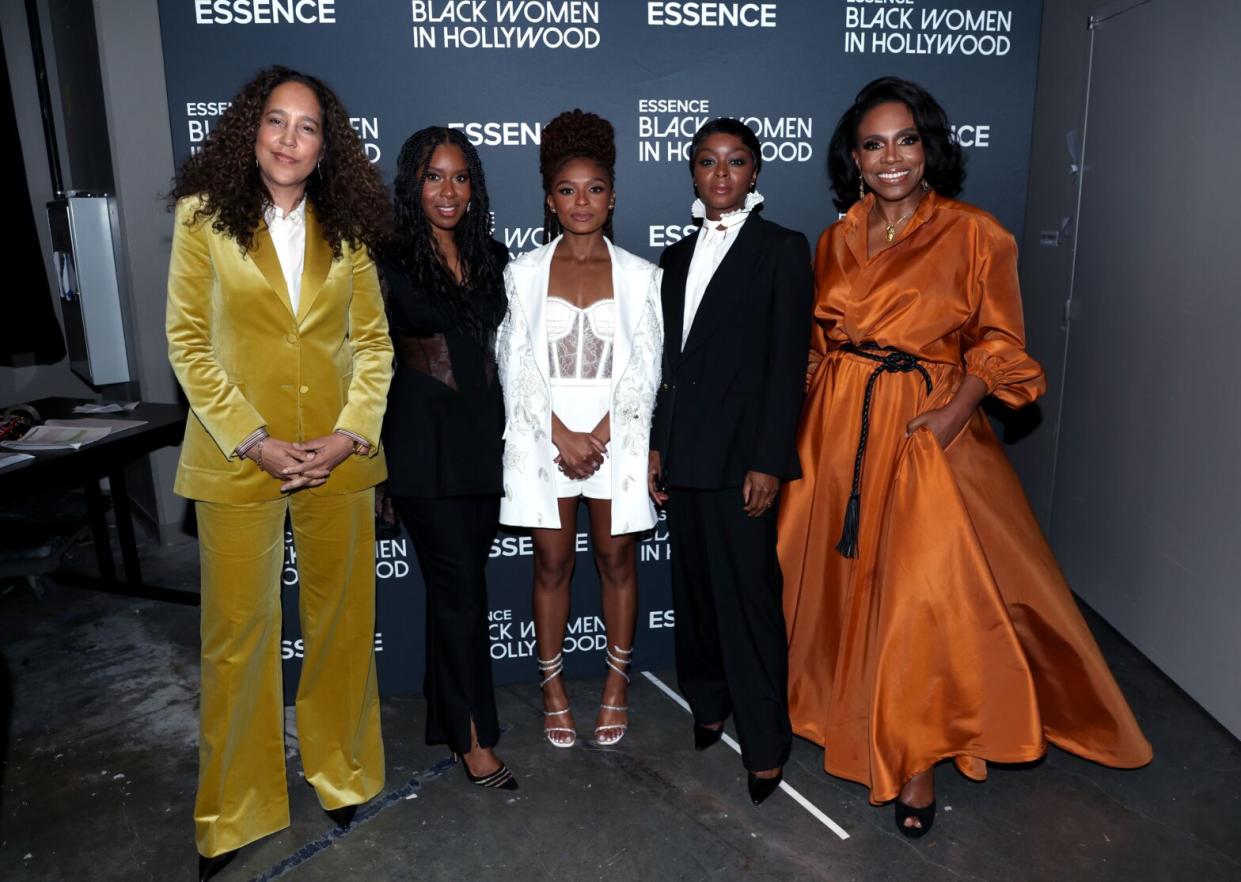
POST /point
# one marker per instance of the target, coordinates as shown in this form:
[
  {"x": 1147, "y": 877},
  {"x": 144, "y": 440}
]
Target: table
[{"x": 86, "y": 467}]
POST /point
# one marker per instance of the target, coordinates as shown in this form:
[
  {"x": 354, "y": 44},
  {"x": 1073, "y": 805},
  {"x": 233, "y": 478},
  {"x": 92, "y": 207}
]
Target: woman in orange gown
[{"x": 939, "y": 625}]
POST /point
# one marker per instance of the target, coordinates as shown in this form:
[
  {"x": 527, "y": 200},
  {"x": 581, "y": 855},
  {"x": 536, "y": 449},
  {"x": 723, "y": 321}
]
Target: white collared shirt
[
  {"x": 288, "y": 235},
  {"x": 709, "y": 251}
]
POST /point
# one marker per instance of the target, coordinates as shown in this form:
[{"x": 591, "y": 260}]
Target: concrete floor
[{"x": 99, "y": 771}]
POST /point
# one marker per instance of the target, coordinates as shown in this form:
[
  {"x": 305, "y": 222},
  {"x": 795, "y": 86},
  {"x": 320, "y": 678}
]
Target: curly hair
[
  {"x": 945, "y": 161},
  {"x": 347, "y": 192},
  {"x": 477, "y": 304},
  {"x": 575, "y": 134}
]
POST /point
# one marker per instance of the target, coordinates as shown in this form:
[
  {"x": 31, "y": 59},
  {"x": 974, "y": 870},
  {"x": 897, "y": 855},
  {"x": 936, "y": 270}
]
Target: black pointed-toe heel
[
  {"x": 342, "y": 817},
  {"x": 761, "y": 788},
  {"x": 209, "y": 866},
  {"x": 925, "y": 816},
  {"x": 705, "y": 736},
  {"x": 500, "y": 779}
]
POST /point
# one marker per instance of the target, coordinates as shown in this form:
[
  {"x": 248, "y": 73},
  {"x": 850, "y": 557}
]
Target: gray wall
[
  {"x": 36, "y": 381},
  {"x": 106, "y": 74},
  {"x": 132, "y": 71},
  {"x": 1139, "y": 481},
  {"x": 1059, "y": 103}
]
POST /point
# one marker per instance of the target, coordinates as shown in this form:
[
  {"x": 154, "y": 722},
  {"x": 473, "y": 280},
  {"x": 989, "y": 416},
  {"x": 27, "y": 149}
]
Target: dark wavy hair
[
  {"x": 945, "y": 161},
  {"x": 477, "y": 304},
  {"x": 575, "y": 134},
  {"x": 725, "y": 125},
  {"x": 349, "y": 197}
]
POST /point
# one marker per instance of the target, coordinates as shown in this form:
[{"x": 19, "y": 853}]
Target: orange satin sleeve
[{"x": 994, "y": 338}]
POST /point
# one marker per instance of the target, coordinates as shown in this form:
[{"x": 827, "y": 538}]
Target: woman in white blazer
[{"x": 579, "y": 359}]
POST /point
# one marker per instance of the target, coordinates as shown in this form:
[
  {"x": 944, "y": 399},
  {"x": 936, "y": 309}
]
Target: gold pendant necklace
[{"x": 889, "y": 229}]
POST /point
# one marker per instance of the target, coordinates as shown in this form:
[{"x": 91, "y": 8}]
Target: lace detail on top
[
  {"x": 428, "y": 355},
  {"x": 580, "y": 340}
]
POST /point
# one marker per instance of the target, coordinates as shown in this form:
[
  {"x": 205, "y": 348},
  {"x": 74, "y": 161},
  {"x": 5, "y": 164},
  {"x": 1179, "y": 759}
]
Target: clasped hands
[
  {"x": 301, "y": 464},
  {"x": 581, "y": 453}
]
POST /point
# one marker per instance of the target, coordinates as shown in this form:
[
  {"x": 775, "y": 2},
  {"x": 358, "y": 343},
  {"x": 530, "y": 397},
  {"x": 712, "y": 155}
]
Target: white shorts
[{"x": 580, "y": 406}]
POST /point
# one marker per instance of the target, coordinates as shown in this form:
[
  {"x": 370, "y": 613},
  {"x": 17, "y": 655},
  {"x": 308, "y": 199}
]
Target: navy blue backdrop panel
[{"x": 500, "y": 69}]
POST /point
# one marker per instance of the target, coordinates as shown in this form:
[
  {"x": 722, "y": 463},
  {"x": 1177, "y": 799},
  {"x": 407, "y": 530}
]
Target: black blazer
[
  {"x": 445, "y": 418},
  {"x": 730, "y": 400}
]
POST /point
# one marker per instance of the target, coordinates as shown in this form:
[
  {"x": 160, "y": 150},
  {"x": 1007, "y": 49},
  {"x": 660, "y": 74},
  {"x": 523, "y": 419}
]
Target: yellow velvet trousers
[{"x": 242, "y": 793}]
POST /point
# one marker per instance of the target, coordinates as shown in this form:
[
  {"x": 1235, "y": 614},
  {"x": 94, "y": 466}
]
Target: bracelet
[
  {"x": 358, "y": 444},
  {"x": 259, "y": 446}
]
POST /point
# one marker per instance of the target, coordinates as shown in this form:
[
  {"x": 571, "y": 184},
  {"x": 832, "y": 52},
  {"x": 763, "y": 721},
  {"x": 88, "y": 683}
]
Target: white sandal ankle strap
[
  {"x": 621, "y": 657},
  {"x": 551, "y": 668}
]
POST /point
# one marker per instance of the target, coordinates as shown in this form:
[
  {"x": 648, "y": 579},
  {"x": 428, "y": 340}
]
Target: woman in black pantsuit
[
  {"x": 443, "y": 282},
  {"x": 736, "y": 300}
]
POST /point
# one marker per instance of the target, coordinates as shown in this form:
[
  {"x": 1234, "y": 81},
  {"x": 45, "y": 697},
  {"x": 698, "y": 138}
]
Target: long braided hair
[
  {"x": 575, "y": 134},
  {"x": 477, "y": 304}
]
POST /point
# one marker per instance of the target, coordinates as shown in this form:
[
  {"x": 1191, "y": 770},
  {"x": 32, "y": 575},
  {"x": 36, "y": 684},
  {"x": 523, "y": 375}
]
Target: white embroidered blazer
[{"x": 522, "y": 357}]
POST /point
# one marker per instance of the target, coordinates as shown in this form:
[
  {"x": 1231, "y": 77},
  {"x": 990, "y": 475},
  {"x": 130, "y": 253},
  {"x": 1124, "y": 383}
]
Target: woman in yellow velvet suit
[
  {"x": 927, "y": 617},
  {"x": 277, "y": 334}
]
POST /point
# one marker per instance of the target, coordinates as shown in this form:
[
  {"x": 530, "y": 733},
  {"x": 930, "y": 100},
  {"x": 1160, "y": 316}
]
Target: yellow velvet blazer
[{"x": 245, "y": 360}]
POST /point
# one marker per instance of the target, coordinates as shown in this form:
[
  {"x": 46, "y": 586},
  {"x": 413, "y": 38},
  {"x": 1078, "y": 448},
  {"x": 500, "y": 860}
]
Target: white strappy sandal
[
  {"x": 616, "y": 657},
  {"x": 550, "y": 669}
]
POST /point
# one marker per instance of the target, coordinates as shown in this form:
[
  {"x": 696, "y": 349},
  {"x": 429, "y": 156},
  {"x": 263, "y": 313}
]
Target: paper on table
[
  {"x": 55, "y": 438},
  {"x": 115, "y": 407},
  {"x": 11, "y": 459},
  {"x": 97, "y": 423}
]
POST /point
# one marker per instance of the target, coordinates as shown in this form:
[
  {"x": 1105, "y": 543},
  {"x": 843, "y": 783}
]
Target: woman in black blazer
[
  {"x": 736, "y": 300},
  {"x": 444, "y": 286}
]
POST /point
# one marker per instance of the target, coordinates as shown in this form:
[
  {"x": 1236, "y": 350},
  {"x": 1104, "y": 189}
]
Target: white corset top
[{"x": 580, "y": 340}]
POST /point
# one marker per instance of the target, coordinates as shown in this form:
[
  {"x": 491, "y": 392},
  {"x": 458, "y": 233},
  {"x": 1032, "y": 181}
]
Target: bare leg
[
  {"x": 481, "y": 761},
  {"x": 554, "y": 554},
  {"x": 616, "y": 558}
]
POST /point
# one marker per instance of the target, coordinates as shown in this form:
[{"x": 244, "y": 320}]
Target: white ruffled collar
[{"x": 729, "y": 218}]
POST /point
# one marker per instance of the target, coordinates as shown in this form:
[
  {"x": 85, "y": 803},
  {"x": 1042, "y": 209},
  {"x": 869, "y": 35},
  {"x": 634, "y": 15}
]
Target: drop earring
[
  {"x": 926, "y": 187},
  {"x": 861, "y": 187}
]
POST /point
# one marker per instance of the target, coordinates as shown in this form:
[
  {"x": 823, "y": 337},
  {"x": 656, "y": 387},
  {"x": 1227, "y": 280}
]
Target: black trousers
[
  {"x": 452, "y": 537},
  {"x": 731, "y": 645}
]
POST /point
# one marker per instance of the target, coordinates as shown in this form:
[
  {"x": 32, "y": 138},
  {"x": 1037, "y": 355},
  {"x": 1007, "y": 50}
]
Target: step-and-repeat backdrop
[{"x": 499, "y": 69}]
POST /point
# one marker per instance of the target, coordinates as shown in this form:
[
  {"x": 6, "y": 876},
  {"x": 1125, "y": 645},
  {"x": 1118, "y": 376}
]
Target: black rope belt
[{"x": 890, "y": 361}]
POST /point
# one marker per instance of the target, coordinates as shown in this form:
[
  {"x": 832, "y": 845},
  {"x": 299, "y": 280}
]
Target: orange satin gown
[{"x": 953, "y": 633}]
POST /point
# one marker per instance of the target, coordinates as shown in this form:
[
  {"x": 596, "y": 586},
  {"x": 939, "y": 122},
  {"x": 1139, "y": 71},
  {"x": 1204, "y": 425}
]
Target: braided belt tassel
[{"x": 894, "y": 361}]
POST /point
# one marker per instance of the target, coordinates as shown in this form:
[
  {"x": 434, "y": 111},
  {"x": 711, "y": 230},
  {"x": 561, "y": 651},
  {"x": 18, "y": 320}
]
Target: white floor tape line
[{"x": 784, "y": 785}]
